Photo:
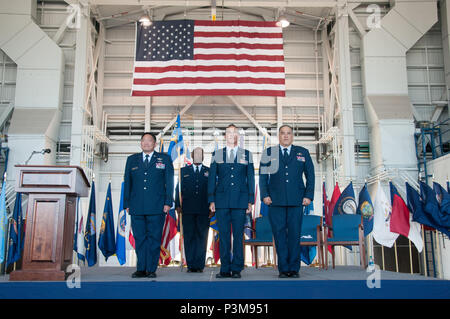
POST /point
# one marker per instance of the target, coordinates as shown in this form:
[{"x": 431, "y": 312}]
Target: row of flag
[{"x": 387, "y": 219}]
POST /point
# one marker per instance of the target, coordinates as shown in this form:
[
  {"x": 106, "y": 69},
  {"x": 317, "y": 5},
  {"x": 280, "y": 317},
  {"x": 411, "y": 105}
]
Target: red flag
[
  {"x": 131, "y": 239},
  {"x": 331, "y": 204},
  {"x": 399, "y": 217},
  {"x": 216, "y": 250},
  {"x": 169, "y": 232},
  {"x": 401, "y": 221}
]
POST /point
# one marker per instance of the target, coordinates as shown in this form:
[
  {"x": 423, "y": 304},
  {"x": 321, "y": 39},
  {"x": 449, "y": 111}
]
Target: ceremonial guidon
[
  {"x": 195, "y": 214},
  {"x": 148, "y": 195},
  {"x": 282, "y": 188}
]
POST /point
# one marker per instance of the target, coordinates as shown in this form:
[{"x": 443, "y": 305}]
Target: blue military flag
[
  {"x": 16, "y": 232},
  {"x": 106, "y": 240},
  {"x": 365, "y": 209},
  {"x": 346, "y": 203},
  {"x": 442, "y": 197},
  {"x": 3, "y": 222},
  {"x": 416, "y": 207},
  {"x": 432, "y": 206},
  {"x": 90, "y": 241},
  {"x": 176, "y": 140},
  {"x": 121, "y": 231},
  {"x": 308, "y": 253}
]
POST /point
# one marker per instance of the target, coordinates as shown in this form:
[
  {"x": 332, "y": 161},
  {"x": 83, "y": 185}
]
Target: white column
[
  {"x": 345, "y": 93},
  {"x": 79, "y": 86}
]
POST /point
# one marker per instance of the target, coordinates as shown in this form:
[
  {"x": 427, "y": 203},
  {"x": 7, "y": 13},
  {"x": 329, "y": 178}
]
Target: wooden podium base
[{"x": 37, "y": 275}]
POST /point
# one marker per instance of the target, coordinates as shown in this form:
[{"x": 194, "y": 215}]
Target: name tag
[
  {"x": 134, "y": 168},
  {"x": 300, "y": 158},
  {"x": 160, "y": 165},
  {"x": 243, "y": 161},
  {"x": 186, "y": 175}
]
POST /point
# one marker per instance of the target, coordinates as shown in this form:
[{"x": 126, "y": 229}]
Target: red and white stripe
[{"x": 230, "y": 58}]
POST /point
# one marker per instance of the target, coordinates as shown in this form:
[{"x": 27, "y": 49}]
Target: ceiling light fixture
[{"x": 145, "y": 20}]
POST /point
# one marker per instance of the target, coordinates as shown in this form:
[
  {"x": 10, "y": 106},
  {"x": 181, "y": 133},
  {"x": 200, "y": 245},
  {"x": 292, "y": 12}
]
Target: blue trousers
[
  {"x": 147, "y": 232},
  {"x": 286, "y": 222},
  {"x": 228, "y": 220},
  {"x": 195, "y": 231}
]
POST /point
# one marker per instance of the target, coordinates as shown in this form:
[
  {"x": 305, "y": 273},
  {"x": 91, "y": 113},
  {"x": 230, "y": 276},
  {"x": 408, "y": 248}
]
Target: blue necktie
[
  {"x": 285, "y": 155},
  {"x": 146, "y": 162}
]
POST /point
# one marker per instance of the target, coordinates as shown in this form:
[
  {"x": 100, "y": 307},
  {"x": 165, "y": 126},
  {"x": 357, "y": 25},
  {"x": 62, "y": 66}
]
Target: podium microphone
[{"x": 43, "y": 151}]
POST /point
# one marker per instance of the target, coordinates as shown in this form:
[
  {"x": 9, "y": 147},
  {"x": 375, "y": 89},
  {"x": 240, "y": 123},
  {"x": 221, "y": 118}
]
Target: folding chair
[
  {"x": 312, "y": 234},
  {"x": 347, "y": 230},
  {"x": 262, "y": 236}
]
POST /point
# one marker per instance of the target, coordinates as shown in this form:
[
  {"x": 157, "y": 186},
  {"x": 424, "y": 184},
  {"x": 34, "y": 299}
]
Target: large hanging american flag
[{"x": 187, "y": 57}]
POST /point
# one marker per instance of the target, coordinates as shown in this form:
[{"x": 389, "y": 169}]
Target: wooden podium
[{"x": 51, "y": 211}]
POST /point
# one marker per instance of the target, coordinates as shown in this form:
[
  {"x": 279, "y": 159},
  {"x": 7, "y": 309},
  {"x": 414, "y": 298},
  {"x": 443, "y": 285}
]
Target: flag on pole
[
  {"x": 16, "y": 232},
  {"x": 442, "y": 197},
  {"x": 325, "y": 204},
  {"x": 121, "y": 231},
  {"x": 416, "y": 207},
  {"x": 90, "y": 241},
  {"x": 78, "y": 239},
  {"x": 346, "y": 204},
  {"x": 169, "y": 232},
  {"x": 176, "y": 140},
  {"x": 432, "y": 206},
  {"x": 215, "y": 228},
  {"x": 106, "y": 240},
  {"x": 195, "y": 57},
  {"x": 332, "y": 203},
  {"x": 161, "y": 146},
  {"x": 401, "y": 220},
  {"x": 381, "y": 215},
  {"x": 3, "y": 222},
  {"x": 365, "y": 209}
]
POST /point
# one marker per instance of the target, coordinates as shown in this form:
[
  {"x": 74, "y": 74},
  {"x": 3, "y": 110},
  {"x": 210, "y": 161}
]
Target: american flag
[{"x": 196, "y": 57}]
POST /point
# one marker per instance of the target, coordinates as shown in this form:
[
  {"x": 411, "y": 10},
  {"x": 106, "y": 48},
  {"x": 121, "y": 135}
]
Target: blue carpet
[{"x": 292, "y": 289}]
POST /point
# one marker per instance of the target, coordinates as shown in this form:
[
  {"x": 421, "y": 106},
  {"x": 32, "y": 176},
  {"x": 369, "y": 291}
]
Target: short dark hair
[
  {"x": 148, "y": 133},
  {"x": 285, "y": 125},
  {"x": 231, "y": 125}
]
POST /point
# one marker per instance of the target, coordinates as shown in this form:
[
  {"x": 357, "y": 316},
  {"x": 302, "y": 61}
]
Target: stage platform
[{"x": 343, "y": 282}]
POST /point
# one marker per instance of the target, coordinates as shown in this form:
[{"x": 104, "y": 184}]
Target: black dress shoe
[
  {"x": 191, "y": 270},
  {"x": 199, "y": 270},
  {"x": 139, "y": 274},
  {"x": 283, "y": 275},
  {"x": 235, "y": 274},
  {"x": 223, "y": 275},
  {"x": 294, "y": 274},
  {"x": 151, "y": 275}
]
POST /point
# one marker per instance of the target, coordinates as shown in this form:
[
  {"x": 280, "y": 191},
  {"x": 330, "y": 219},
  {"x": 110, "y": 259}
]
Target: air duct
[{"x": 39, "y": 85}]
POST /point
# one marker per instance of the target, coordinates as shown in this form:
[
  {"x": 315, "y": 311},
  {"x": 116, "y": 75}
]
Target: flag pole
[
  {"x": 410, "y": 257},
  {"x": 396, "y": 257},
  {"x": 181, "y": 211},
  {"x": 424, "y": 252},
  {"x": 438, "y": 246},
  {"x": 382, "y": 254}
]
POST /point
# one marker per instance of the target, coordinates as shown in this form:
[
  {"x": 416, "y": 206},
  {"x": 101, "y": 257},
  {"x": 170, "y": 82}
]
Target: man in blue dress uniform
[
  {"x": 148, "y": 197},
  {"x": 283, "y": 190},
  {"x": 195, "y": 210},
  {"x": 231, "y": 189}
]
